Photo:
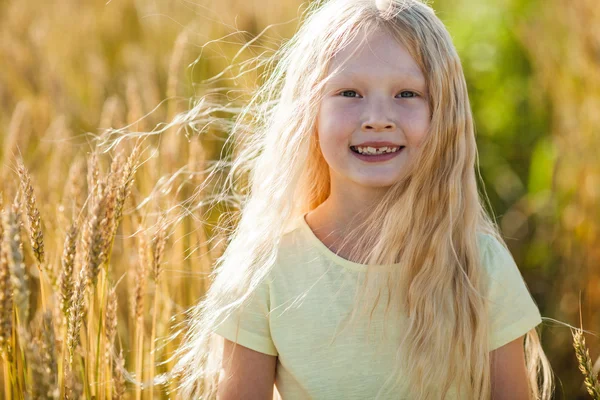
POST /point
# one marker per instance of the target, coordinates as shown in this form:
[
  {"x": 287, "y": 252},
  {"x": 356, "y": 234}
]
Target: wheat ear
[{"x": 585, "y": 364}]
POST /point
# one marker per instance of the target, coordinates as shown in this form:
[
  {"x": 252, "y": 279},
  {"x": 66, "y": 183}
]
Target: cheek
[
  {"x": 334, "y": 124},
  {"x": 416, "y": 127}
]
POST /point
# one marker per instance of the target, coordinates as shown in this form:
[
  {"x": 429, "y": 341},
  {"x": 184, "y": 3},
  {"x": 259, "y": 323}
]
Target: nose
[
  {"x": 377, "y": 119},
  {"x": 378, "y": 125}
]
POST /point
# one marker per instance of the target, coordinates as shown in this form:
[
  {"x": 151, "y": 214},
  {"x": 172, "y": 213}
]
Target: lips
[
  {"x": 377, "y": 144},
  {"x": 355, "y": 150},
  {"x": 377, "y": 158}
]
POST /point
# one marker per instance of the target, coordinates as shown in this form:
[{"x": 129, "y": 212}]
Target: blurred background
[{"x": 72, "y": 69}]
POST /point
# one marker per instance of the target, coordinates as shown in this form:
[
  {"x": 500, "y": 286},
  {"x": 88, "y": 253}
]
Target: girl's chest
[{"x": 320, "y": 351}]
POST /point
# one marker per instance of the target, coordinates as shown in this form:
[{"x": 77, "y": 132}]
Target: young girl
[{"x": 363, "y": 264}]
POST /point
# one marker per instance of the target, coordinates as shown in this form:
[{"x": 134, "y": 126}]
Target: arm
[
  {"x": 250, "y": 374},
  {"x": 508, "y": 372}
]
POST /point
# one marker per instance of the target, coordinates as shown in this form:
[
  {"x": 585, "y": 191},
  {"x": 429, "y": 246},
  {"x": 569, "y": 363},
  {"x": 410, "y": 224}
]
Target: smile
[{"x": 376, "y": 157}]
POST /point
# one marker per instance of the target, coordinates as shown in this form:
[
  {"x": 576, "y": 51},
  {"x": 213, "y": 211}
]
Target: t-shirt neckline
[{"x": 327, "y": 252}]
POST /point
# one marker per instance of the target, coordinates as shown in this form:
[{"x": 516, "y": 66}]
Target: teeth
[{"x": 373, "y": 150}]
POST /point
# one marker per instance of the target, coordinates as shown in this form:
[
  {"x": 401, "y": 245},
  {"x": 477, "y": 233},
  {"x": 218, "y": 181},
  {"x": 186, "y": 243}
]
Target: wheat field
[{"x": 107, "y": 235}]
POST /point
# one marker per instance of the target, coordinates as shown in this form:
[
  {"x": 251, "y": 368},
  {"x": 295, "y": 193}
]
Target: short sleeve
[
  {"x": 512, "y": 309},
  {"x": 249, "y": 325}
]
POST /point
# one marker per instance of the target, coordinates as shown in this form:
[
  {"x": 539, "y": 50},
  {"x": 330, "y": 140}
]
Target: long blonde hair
[{"x": 428, "y": 223}]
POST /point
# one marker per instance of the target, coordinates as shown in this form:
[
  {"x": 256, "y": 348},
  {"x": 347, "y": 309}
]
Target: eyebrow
[{"x": 403, "y": 75}]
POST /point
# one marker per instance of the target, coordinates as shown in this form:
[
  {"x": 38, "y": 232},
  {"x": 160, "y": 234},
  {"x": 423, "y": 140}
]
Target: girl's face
[{"x": 378, "y": 99}]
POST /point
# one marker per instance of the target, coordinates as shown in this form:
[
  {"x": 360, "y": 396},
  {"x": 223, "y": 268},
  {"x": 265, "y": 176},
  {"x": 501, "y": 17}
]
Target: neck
[{"x": 334, "y": 219}]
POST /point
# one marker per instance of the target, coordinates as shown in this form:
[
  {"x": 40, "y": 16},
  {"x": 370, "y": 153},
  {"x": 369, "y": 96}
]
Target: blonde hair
[{"x": 428, "y": 223}]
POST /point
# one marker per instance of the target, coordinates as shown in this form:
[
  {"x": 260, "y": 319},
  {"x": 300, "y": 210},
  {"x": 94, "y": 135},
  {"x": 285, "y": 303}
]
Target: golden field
[{"x": 104, "y": 248}]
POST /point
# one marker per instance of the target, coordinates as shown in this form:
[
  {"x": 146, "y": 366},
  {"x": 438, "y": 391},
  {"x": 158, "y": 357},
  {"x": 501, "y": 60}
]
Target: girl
[{"x": 363, "y": 264}]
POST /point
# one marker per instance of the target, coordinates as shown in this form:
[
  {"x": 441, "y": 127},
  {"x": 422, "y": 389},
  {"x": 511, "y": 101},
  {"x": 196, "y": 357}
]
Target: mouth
[
  {"x": 377, "y": 151},
  {"x": 380, "y": 156}
]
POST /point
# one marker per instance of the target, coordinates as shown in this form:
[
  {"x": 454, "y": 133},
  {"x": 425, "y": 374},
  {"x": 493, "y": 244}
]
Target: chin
[{"x": 379, "y": 184}]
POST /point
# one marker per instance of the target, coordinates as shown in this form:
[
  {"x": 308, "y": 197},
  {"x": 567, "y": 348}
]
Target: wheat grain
[
  {"x": 585, "y": 364},
  {"x": 109, "y": 228},
  {"x": 35, "y": 225},
  {"x": 111, "y": 321},
  {"x": 94, "y": 234},
  {"x": 77, "y": 313},
  {"x": 134, "y": 105},
  {"x": 109, "y": 110},
  {"x": 74, "y": 190},
  {"x": 123, "y": 191},
  {"x": 66, "y": 276},
  {"x": 93, "y": 176},
  {"x": 175, "y": 65},
  {"x": 158, "y": 247}
]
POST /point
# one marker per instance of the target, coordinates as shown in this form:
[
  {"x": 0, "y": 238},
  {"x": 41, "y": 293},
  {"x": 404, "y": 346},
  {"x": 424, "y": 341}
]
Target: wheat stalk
[
  {"x": 6, "y": 290},
  {"x": 42, "y": 353},
  {"x": 118, "y": 376},
  {"x": 140, "y": 289},
  {"x": 6, "y": 306},
  {"x": 73, "y": 387},
  {"x": 158, "y": 248},
  {"x": 585, "y": 364}
]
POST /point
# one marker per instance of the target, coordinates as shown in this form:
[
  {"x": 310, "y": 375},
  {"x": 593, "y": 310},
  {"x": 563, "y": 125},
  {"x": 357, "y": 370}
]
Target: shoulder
[
  {"x": 289, "y": 249},
  {"x": 504, "y": 276},
  {"x": 495, "y": 257},
  {"x": 513, "y": 311},
  {"x": 292, "y": 242}
]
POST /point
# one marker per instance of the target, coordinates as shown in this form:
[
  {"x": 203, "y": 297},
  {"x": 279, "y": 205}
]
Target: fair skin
[
  {"x": 380, "y": 94},
  {"x": 508, "y": 372},
  {"x": 251, "y": 374}
]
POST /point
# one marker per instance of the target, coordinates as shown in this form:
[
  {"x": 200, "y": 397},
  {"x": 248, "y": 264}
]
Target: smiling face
[{"x": 378, "y": 98}]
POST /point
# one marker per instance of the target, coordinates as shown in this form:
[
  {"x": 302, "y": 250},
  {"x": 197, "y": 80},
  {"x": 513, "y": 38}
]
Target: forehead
[{"x": 378, "y": 54}]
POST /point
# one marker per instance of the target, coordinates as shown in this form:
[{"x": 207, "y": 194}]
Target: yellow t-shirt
[{"x": 296, "y": 311}]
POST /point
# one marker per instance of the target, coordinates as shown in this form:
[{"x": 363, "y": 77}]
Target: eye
[
  {"x": 349, "y": 91},
  {"x": 409, "y": 92}
]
